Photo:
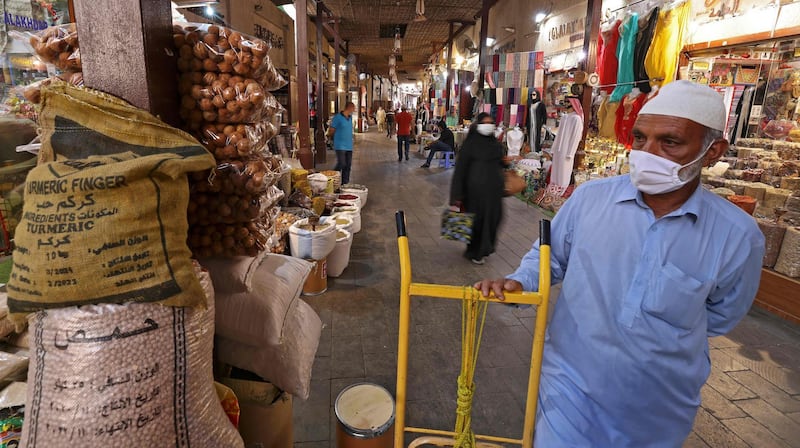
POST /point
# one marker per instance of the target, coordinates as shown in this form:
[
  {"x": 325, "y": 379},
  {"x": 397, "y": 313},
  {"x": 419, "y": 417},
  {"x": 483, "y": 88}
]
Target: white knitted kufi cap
[{"x": 686, "y": 99}]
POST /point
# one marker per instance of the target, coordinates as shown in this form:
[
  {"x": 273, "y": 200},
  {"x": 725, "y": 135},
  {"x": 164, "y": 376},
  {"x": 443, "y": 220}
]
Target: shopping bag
[
  {"x": 457, "y": 226},
  {"x": 514, "y": 183}
]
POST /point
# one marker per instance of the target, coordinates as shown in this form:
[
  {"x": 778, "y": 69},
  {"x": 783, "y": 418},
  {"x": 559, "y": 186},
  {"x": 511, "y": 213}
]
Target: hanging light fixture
[
  {"x": 397, "y": 42},
  {"x": 392, "y": 61},
  {"x": 420, "y": 16}
]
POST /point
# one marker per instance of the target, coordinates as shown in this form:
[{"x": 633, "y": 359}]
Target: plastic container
[
  {"x": 312, "y": 244},
  {"x": 317, "y": 281},
  {"x": 353, "y": 213},
  {"x": 358, "y": 190},
  {"x": 339, "y": 259},
  {"x": 365, "y": 414}
]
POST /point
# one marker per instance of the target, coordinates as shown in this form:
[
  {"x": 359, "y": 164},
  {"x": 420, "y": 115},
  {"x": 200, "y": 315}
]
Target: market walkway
[{"x": 752, "y": 397}]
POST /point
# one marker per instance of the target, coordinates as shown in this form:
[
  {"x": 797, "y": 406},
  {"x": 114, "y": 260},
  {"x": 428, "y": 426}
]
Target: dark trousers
[
  {"x": 401, "y": 141},
  {"x": 437, "y": 146},
  {"x": 344, "y": 159}
]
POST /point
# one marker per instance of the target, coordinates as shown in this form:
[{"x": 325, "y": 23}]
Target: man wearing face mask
[{"x": 652, "y": 265}]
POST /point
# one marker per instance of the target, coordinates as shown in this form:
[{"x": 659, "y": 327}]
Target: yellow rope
[{"x": 471, "y": 336}]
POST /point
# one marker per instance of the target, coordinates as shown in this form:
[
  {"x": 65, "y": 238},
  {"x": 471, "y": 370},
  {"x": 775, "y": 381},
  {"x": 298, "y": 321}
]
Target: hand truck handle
[
  {"x": 544, "y": 232},
  {"x": 400, "y": 217}
]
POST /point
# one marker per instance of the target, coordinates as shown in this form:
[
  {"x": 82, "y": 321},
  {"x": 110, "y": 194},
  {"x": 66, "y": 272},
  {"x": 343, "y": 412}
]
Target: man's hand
[{"x": 498, "y": 287}]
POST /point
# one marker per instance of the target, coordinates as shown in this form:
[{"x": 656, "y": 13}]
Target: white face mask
[
  {"x": 486, "y": 129},
  {"x": 652, "y": 174}
]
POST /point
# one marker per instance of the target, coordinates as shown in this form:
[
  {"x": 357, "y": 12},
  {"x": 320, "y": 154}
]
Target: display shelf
[{"x": 779, "y": 294}]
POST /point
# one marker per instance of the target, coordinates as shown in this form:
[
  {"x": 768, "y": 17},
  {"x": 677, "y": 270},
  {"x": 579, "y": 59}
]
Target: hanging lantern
[
  {"x": 397, "y": 41},
  {"x": 392, "y": 61}
]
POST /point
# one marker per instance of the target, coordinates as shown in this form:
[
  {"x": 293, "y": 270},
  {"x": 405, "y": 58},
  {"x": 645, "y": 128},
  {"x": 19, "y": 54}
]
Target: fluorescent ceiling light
[
  {"x": 490, "y": 41},
  {"x": 194, "y": 4},
  {"x": 289, "y": 10}
]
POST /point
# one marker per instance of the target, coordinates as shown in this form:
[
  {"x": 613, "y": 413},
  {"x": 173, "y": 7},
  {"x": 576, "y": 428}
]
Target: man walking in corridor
[
  {"x": 342, "y": 132},
  {"x": 404, "y": 122}
]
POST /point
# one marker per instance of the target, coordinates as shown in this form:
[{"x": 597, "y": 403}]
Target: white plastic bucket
[
  {"x": 352, "y": 212},
  {"x": 340, "y": 256},
  {"x": 358, "y": 190},
  {"x": 312, "y": 244},
  {"x": 343, "y": 222}
]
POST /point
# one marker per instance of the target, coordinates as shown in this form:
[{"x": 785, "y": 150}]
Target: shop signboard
[
  {"x": 563, "y": 31},
  {"x": 717, "y": 20},
  {"x": 34, "y": 15},
  {"x": 266, "y": 22}
]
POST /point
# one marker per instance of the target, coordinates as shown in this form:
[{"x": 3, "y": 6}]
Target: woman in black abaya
[{"x": 478, "y": 184}]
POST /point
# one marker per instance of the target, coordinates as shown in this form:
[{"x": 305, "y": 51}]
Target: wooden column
[
  {"x": 336, "y": 44},
  {"x": 449, "y": 83},
  {"x": 482, "y": 53},
  {"x": 319, "y": 136},
  {"x": 301, "y": 48},
  {"x": 589, "y": 65},
  {"x": 138, "y": 64}
]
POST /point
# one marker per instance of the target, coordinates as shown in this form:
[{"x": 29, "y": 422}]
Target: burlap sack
[
  {"x": 77, "y": 123},
  {"x": 134, "y": 375},
  {"x": 105, "y": 229}
]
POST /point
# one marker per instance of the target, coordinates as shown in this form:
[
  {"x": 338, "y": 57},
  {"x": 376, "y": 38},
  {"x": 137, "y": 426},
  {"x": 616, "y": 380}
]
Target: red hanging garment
[
  {"x": 627, "y": 112},
  {"x": 607, "y": 63}
]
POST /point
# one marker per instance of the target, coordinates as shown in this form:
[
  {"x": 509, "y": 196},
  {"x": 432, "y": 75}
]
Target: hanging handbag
[
  {"x": 457, "y": 226},
  {"x": 514, "y": 183}
]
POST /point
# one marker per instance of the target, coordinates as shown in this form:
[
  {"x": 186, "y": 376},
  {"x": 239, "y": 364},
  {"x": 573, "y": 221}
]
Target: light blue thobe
[{"x": 626, "y": 351}]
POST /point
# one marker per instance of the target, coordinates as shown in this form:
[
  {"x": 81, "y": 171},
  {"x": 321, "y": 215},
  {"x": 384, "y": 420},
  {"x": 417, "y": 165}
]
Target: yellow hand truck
[{"x": 407, "y": 289}]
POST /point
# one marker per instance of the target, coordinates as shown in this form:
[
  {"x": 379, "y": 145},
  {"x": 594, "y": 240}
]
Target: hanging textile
[
  {"x": 607, "y": 56},
  {"x": 662, "y": 57},
  {"x": 564, "y": 147},
  {"x": 627, "y": 41},
  {"x": 607, "y": 118},
  {"x": 647, "y": 27},
  {"x": 627, "y": 112}
]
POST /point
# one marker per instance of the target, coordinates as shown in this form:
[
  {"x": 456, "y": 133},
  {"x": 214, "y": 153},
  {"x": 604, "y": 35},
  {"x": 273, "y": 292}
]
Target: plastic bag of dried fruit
[
  {"x": 229, "y": 240},
  {"x": 217, "y": 49},
  {"x": 57, "y": 45},
  {"x": 224, "y": 98},
  {"x": 237, "y": 141},
  {"x": 33, "y": 92}
]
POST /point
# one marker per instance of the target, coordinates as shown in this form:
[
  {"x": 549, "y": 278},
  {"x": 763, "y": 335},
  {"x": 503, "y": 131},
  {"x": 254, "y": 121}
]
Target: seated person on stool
[{"x": 445, "y": 143}]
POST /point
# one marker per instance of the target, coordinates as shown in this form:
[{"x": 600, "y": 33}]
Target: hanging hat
[{"x": 689, "y": 100}]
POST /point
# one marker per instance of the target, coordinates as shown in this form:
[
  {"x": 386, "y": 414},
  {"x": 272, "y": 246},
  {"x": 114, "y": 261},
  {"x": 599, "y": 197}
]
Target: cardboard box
[{"x": 266, "y": 414}]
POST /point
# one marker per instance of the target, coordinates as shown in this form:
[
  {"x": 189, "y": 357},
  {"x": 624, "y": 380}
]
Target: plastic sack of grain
[
  {"x": 138, "y": 374},
  {"x": 359, "y": 190},
  {"x": 339, "y": 259},
  {"x": 255, "y": 296},
  {"x": 312, "y": 242},
  {"x": 773, "y": 238},
  {"x": 789, "y": 259},
  {"x": 287, "y": 364}
]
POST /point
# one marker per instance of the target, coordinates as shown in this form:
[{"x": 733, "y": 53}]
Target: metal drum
[
  {"x": 317, "y": 281},
  {"x": 366, "y": 417}
]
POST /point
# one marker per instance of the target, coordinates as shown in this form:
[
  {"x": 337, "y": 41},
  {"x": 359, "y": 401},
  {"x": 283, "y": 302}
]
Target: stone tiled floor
[{"x": 752, "y": 398}]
